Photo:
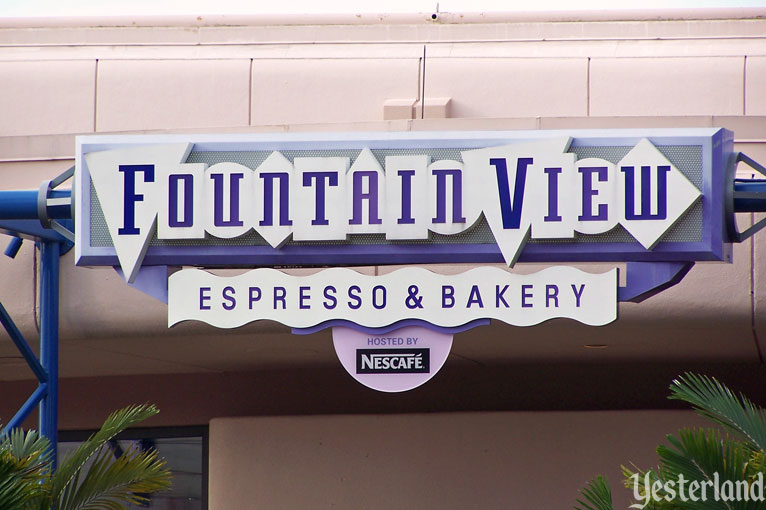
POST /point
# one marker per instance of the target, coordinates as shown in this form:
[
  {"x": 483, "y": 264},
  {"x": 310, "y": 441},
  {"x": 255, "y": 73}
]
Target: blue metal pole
[
  {"x": 49, "y": 342},
  {"x": 750, "y": 195},
  {"x": 16, "y": 205},
  {"x": 22, "y": 205}
]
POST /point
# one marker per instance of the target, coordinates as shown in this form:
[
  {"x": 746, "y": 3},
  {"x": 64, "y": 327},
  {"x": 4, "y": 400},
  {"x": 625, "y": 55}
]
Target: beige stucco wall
[{"x": 428, "y": 461}]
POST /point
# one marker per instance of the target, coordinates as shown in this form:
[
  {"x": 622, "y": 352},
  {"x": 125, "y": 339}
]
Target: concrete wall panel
[
  {"x": 45, "y": 97},
  {"x": 509, "y": 87},
  {"x": 755, "y": 86},
  {"x": 329, "y": 90},
  {"x": 167, "y": 94},
  {"x": 666, "y": 86}
]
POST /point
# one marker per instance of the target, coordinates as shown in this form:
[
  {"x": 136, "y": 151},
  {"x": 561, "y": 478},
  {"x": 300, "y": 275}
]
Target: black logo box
[{"x": 390, "y": 361}]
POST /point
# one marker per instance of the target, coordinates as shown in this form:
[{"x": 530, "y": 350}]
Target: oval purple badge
[{"x": 399, "y": 360}]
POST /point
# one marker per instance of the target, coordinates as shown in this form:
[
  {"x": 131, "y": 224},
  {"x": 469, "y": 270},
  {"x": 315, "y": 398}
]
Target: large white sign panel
[
  {"x": 377, "y": 301},
  {"x": 528, "y": 189}
]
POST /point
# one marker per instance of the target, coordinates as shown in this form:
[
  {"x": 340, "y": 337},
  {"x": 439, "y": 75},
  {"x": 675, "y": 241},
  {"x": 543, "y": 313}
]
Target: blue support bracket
[
  {"x": 23, "y": 413},
  {"x": 22, "y": 345},
  {"x": 744, "y": 195},
  {"x": 646, "y": 279},
  {"x": 44, "y": 215},
  {"x": 13, "y": 247}
]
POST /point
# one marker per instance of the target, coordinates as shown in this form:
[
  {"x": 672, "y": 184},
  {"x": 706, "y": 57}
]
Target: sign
[
  {"x": 393, "y": 362},
  {"x": 377, "y": 301},
  {"x": 263, "y": 201},
  {"x": 400, "y": 198}
]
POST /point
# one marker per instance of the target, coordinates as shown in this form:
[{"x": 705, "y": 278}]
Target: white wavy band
[{"x": 408, "y": 293}]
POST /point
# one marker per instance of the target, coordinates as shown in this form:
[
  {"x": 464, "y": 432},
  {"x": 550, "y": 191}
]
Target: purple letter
[
  {"x": 588, "y": 193},
  {"x": 371, "y": 196},
  {"x": 375, "y": 304},
  {"x": 355, "y": 302},
  {"x": 526, "y": 295},
  {"x": 551, "y": 294},
  {"x": 499, "y": 296},
  {"x": 303, "y": 297},
  {"x": 511, "y": 211},
  {"x": 332, "y": 301},
  {"x": 441, "y": 195},
  {"x": 553, "y": 194},
  {"x": 204, "y": 298},
  {"x": 646, "y": 193},
  {"x": 474, "y": 297},
  {"x": 406, "y": 218},
  {"x": 578, "y": 294},
  {"x": 448, "y": 296},
  {"x": 234, "y": 220},
  {"x": 131, "y": 197},
  {"x": 320, "y": 177},
  {"x": 279, "y": 297},
  {"x": 268, "y": 199},
  {"x": 188, "y": 181},
  {"x": 228, "y": 295}
]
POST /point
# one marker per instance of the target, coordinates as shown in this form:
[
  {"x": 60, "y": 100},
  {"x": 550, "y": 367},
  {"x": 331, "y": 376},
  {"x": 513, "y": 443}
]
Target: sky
[{"x": 32, "y": 8}]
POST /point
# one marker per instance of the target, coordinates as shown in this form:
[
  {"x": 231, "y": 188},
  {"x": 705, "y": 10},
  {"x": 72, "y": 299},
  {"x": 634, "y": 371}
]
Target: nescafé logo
[{"x": 393, "y": 361}]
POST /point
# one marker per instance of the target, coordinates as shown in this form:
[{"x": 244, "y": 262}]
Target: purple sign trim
[
  {"x": 368, "y": 255},
  {"x": 151, "y": 280},
  {"x": 335, "y": 323},
  {"x": 646, "y": 279}
]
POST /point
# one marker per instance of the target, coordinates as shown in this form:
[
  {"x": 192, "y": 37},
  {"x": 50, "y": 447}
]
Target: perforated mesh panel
[{"x": 688, "y": 160}]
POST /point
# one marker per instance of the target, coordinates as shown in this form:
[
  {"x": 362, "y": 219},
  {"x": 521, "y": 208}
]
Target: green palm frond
[
  {"x": 597, "y": 495},
  {"x": 23, "y": 468},
  {"x": 69, "y": 471},
  {"x": 703, "y": 455},
  {"x": 729, "y": 463},
  {"x": 110, "y": 483},
  {"x": 719, "y": 404},
  {"x": 90, "y": 478},
  {"x": 756, "y": 464},
  {"x": 14, "y": 492}
]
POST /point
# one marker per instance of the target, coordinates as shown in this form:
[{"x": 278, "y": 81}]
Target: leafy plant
[
  {"x": 90, "y": 478},
  {"x": 699, "y": 457},
  {"x": 23, "y": 464},
  {"x": 597, "y": 494}
]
